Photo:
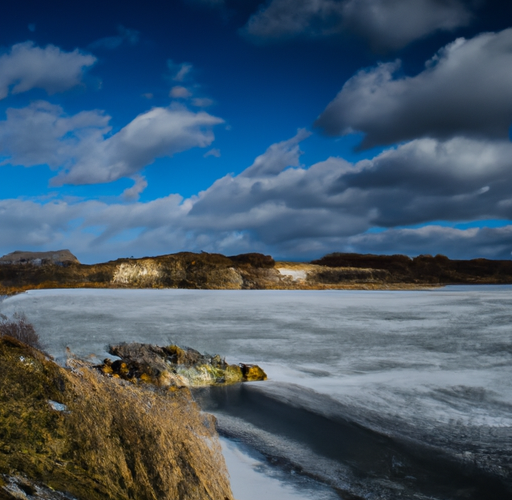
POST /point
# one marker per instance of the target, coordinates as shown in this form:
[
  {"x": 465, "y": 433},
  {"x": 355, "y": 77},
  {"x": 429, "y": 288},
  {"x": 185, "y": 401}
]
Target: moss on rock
[{"x": 175, "y": 366}]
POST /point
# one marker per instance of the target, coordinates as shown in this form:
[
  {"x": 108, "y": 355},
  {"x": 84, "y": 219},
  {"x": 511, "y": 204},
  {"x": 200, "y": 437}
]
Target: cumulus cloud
[
  {"x": 82, "y": 149},
  {"x": 155, "y": 134},
  {"x": 212, "y": 152},
  {"x": 287, "y": 18},
  {"x": 385, "y": 24},
  {"x": 454, "y": 95},
  {"x": 426, "y": 180},
  {"x": 277, "y": 157},
  {"x": 277, "y": 200},
  {"x": 202, "y": 102},
  {"x": 422, "y": 181},
  {"x": 124, "y": 36},
  {"x": 93, "y": 229},
  {"x": 179, "y": 92},
  {"x": 26, "y": 66},
  {"x": 392, "y": 24},
  {"x": 486, "y": 242},
  {"x": 281, "y": 207},
  {"x": 179, "y": 72},
  {"x": 132, "y": 193},
  {"x": 182, "y": 76},
  {"x": 42, "y": 133}
]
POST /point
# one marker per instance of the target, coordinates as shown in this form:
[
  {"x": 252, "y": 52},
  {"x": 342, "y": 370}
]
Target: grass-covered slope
[
  {"x": 255, "y": 271},
  {"x": 92, "y": 437},
  {"x": 423, "y": 269},
  {"x": 181, "y": 270}
]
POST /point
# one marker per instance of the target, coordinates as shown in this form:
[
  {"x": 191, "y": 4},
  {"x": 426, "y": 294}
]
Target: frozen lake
[{"x": 380, "y": 394}]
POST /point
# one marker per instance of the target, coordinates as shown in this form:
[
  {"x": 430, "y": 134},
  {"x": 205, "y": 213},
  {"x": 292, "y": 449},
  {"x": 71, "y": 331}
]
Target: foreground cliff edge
[
  {"x": 20, "y": 271},
  {"x": 88, "y": 433}
]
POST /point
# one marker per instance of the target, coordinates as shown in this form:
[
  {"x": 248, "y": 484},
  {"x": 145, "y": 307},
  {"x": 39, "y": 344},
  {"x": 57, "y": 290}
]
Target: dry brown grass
[
  {"x": 19, "y": 328},
  {"x": 115, "y": 441}
]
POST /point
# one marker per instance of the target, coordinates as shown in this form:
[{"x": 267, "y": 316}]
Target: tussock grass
[
  {"x": 115, "y": 440},
  {"x": 18, "y": 327}
]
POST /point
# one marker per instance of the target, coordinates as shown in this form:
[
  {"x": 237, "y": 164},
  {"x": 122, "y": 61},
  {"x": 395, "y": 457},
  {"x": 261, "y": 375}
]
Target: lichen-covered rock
[
  {"x": 252, "y": 373},
  {"x": 175, "y": 366},
  {"x": 92, "y": 437}
]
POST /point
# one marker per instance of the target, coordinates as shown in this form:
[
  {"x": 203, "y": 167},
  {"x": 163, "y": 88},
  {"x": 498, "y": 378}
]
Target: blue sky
[{"x": 289, "y": 127}]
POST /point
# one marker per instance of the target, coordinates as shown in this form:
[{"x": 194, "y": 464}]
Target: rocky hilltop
[
  {"x": 59, "y": 257},
  {"x": 22, "y": 271}
]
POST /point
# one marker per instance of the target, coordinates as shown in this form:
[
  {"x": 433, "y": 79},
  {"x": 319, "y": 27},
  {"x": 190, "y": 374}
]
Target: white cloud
[
  {"x": 80, "y": 147},
  {"x": 277, "y": 157},
  {"x": 426, "y": 180},
  {"x": 42, "y": 133},
  {"x": 124, "y": 36},
  {"x": 454, "y": 95},
  {"x": 486, "y": 242},
  {"x": 26, "y": 67},
  {"x": 281, "y": 207},
  {"x": 179, "y": 92},
  {"x": 155, "y": 134},
  {"x": 202, "y": 102},
  {"x": 212, "y": 152},
  {"x": 133, "y": 193},
  {"x": 385, "y": 24},
  {"x": 179, "y": 72},
  {"x": 287, "y": 18},
  {"x": 392, "y": 24}
]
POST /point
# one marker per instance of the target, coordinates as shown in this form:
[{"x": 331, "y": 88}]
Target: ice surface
[{"x": 433, "y": 366}]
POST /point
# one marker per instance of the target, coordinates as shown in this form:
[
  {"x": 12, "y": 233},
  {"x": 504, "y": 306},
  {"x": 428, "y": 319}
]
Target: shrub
[{"x": 19, "y": 328}]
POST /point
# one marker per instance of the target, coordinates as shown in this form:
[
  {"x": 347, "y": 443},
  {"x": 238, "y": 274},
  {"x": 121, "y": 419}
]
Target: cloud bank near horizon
[{"x": 279, "y": 206}]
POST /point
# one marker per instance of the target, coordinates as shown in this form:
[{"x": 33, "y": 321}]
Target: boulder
[{"x": 175, "y": 366}]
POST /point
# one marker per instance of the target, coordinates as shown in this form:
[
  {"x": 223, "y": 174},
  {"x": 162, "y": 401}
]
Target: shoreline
[{"x": 341, "y": 344}]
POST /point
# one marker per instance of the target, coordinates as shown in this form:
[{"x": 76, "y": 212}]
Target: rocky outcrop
[
  {"x": 76, "y": 434},
  {"x": 181, "y": 270},
  {"x": 175, "y": 367},
  {"x": 58, "y": 257}
]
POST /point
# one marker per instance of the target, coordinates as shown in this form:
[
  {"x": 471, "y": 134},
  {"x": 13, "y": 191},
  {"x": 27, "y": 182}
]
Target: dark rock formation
[
  {"x": 75, "y": 434},
  {"x": 175, "y": 367}
]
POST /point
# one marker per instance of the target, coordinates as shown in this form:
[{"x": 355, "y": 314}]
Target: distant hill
[
  {"x": 21, "y": 271},
  {"x": 424, "y": 268},
  {"x": 59, "y": 257}
]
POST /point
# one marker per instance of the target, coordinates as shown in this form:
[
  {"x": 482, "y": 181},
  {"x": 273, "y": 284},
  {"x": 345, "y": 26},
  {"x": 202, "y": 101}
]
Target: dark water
[{"x": 356, "y": 461}]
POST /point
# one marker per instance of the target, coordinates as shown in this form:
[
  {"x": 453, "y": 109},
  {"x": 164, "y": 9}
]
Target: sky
[{"x": 294, "y": 128}]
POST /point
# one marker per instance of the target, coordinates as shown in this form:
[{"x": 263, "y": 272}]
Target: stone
[
  {"x": 174, "y": 366},
  {"x": 252, "y": 373}
]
